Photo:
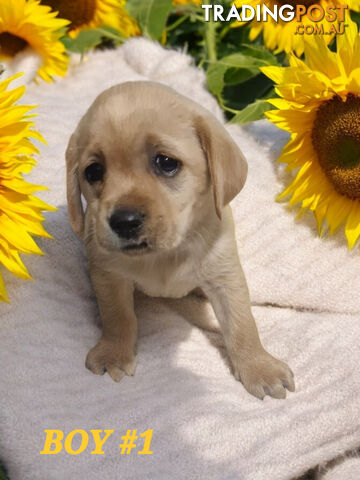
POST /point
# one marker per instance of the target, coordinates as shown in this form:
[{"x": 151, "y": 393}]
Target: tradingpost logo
[{"x": 309, "y": 16}]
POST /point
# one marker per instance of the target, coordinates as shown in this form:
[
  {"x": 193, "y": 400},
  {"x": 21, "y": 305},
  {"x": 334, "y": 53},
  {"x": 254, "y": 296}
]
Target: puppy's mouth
[{"x": 135, "y": 247}]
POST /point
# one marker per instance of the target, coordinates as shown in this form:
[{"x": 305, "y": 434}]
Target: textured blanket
[{"x": 305, "y": 293}]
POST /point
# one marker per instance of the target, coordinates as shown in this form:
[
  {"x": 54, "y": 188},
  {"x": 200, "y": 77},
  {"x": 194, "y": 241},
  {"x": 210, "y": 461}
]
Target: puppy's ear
[
  {"x": 227, "y": 164},
  {"x": 75, "y": 209}
]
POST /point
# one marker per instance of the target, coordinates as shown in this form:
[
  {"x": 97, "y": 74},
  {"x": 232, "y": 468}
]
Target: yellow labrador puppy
[{"x": 158, "y": 172}]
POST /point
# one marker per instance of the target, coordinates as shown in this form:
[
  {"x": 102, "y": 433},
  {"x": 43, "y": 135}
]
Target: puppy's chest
[{"x": 162, "y": 282}]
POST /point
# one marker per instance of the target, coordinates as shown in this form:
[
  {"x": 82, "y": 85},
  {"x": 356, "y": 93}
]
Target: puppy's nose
[{"x": 126, "y": 223}]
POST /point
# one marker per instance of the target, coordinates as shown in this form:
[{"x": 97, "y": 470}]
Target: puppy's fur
[{"x": 187, "y": 233}]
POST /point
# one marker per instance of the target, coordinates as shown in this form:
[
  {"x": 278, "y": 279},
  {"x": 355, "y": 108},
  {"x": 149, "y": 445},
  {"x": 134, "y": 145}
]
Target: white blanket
[{"x": 305, "y": 293}]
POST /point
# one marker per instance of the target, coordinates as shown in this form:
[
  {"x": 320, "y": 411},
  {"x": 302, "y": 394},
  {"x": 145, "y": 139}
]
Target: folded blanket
[
  {"x": 205, "y": 425},
  {"x": 349, "y": 469}
]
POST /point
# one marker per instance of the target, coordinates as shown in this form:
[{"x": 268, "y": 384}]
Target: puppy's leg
[
  {"x": 260, "y": 373},
  {"x": 114, "y": 352}
]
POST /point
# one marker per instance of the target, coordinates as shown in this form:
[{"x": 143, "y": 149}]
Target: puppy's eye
[
  {"x": 165, "y": 165},
  {"x": 94, "y": 172}
]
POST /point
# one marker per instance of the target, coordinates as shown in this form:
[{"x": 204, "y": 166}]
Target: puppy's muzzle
[{"x": 127, "y": 223}]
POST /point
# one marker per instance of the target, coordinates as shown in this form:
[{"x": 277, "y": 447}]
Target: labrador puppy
[{"x": 158, "y": 172}]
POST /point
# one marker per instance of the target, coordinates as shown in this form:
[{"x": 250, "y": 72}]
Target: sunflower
[
  {"x": 27, "y": 24},
  {"x": 85, "y": 14},
  {"x": 282, "y": 36},
  {"x": 320, "y": 107},
  {"x": 20, "y": 210}
]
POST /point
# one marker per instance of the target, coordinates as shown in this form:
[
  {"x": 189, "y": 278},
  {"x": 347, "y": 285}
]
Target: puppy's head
[{"x": 151, "y": 165}]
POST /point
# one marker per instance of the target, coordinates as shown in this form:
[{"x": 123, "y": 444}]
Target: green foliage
[
  {"x": 230, "y": 60},
  {"x": 225, "y": 78},
  {"x": 151, "y": 15},
  {"x": 355, "y": 16},
  {"x": 237, "y": 68},
  {"x": 92, "y": 38},
  {"x": 254, "y": 111},
  {"x": 232, "y": 63}
]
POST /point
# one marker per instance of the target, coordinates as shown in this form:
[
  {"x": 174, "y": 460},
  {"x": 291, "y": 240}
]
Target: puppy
[{"x": 158, "y": 172}]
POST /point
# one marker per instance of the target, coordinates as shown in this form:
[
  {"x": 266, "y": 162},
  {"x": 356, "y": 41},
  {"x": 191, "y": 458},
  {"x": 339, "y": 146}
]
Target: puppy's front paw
[
  {"x": 111, "y": 356},
  {"x": 265, "y": 375}
]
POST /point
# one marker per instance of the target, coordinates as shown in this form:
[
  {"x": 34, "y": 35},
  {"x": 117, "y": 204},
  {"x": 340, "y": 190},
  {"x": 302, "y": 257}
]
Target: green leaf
[
  {"x": 151, "y": 15},
  {"x": 112, "y": 33},
  {"x": 217, "y": 79},
  {"x": 355, "y": 16},
  {"x": 260, "y": 52},
  {"x": 84, "y": 41},
  {"x": 90, "y": 38},
  {"x": 254, "y": 111},
  {"x": 240, "y": 60},
  {"x": 235, "y": 76}
]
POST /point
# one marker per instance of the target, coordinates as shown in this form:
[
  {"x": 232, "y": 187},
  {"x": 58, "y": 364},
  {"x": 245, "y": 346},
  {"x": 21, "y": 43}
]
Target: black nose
[{"x": 126, "y": 223}]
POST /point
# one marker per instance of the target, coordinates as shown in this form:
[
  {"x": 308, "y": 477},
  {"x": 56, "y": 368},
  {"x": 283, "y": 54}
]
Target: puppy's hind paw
[{"x": 111, "y": 357}]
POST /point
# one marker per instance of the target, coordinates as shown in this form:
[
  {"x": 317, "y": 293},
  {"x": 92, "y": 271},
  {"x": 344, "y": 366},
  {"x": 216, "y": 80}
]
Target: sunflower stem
[
  {"x": 210, "y": 40},
  {"x": 178, "y": 22},
  {"x": 224, "y": 107},
  {"x": 224, "y": 31}
]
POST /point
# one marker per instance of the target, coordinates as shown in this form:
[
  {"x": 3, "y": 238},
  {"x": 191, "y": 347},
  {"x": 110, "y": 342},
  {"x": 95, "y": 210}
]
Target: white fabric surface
[
  {"x": 205, "y": 424},
  {"x": 349, "y": 469}
]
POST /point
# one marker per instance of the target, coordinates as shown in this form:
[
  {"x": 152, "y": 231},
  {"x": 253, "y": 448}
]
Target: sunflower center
[
  {"x": 78, "y": 12},
  {"x": 11, "y": 44},
  {"x": 336, "y": 139}
]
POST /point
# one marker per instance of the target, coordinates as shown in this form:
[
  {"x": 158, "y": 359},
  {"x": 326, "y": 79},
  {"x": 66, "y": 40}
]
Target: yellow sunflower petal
[
  {"x": 18, "y": 237},
  {"x": 27, "y": 24},
  {"x": 320, "y": 58},
  {"x": 352, "y": 227},
  {"x": 3, "y": 294},
  {"x": 282, "y": 36},
  {"x": 11, "y": 260},
  {"x": 337, "y": 212},
  {"x": 320, "y": 214},
  {"x": 291, "y": 120},
  {"x": 345, "y": 48},
  {"x": 318, "y": 105},
  {"x": 20, "y": 211}
]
